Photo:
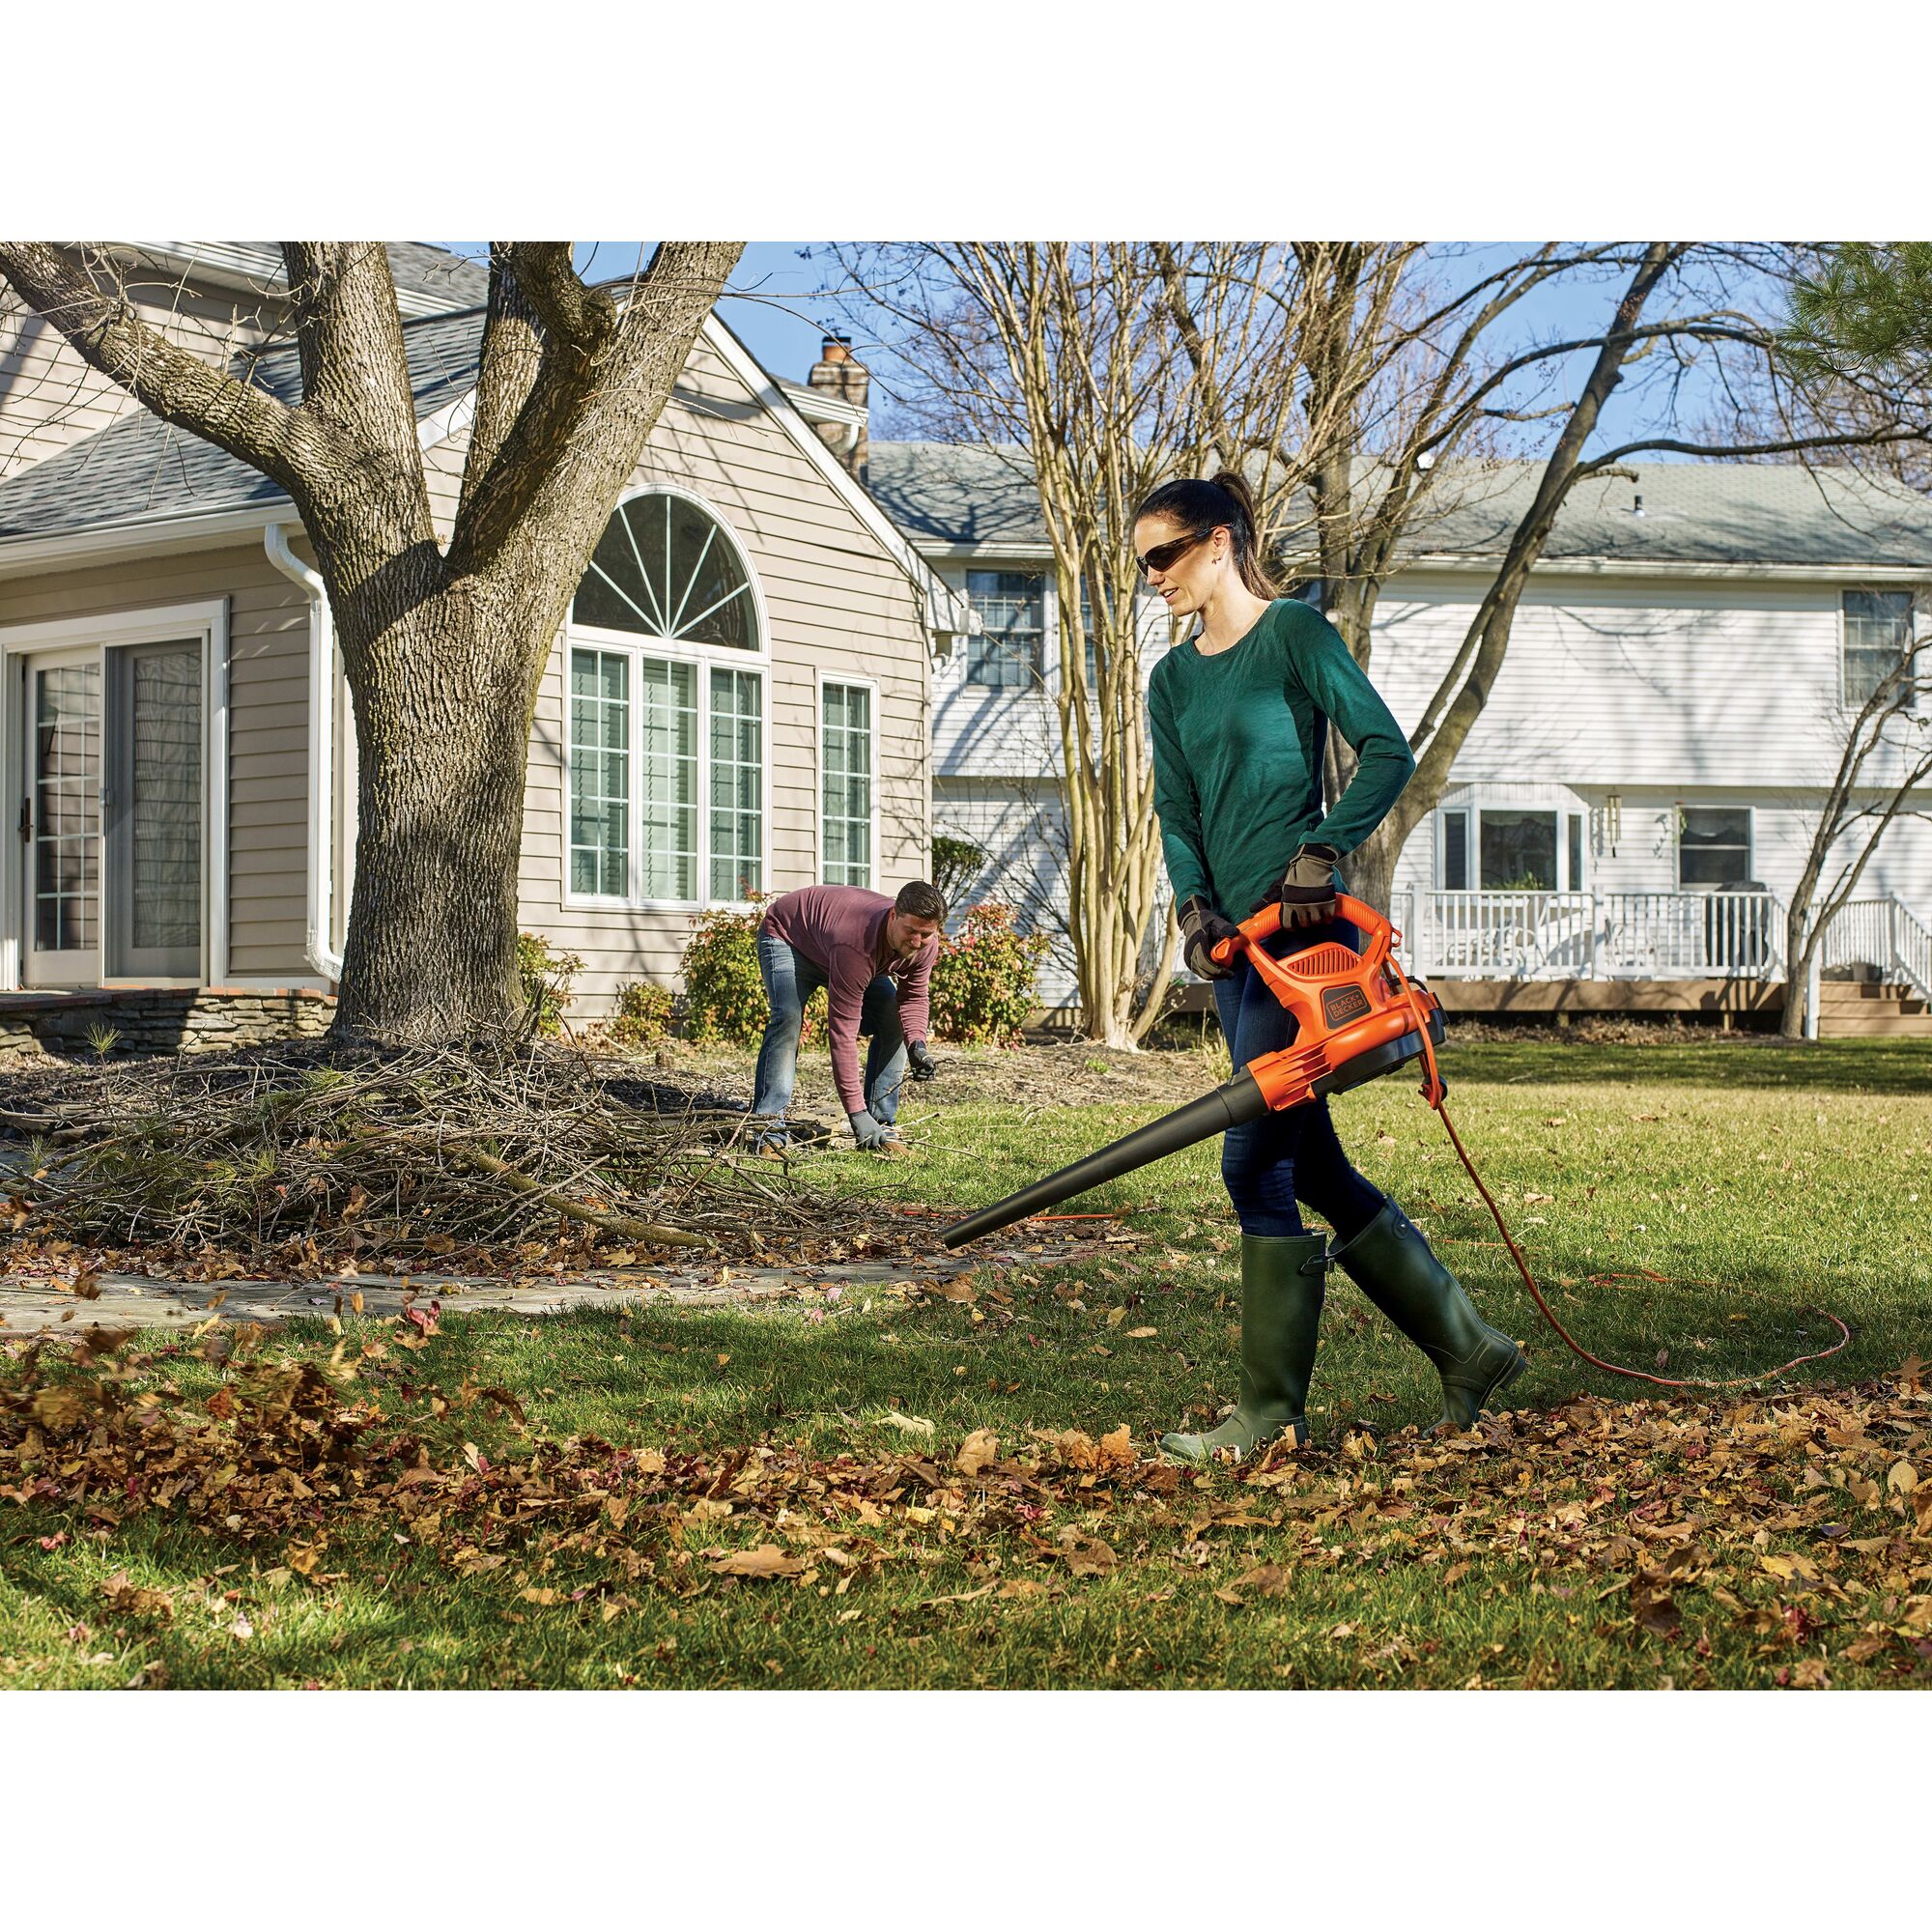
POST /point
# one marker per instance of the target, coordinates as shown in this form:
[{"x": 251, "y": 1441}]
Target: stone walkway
[{"x": 29, "y": 1304}]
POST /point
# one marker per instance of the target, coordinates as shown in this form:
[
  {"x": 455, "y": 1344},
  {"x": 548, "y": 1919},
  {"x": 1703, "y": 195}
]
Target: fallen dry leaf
[
  {"x": 766, "y": 1560},
  {"x": 1085, "y": 1556},
  {"x": 979, "y": 1451}
]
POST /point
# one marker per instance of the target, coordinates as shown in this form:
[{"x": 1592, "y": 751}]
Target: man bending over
[{"x": 875, "y": 957}]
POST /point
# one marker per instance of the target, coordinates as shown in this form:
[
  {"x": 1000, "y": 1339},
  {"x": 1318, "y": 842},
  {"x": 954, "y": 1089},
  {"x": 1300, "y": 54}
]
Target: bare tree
[
  {"x": 1389, "y": 382},
  {"x": 1069, "y": 351},
  {"x": 1885, "y": 758},
  {"x": 443, "y": 646}
]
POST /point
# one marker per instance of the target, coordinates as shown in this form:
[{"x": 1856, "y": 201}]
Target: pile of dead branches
[{"x": 420, "y": 1155}]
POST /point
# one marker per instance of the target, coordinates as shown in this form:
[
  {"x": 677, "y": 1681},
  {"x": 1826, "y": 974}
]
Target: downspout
[{"x": 321, "y": 752}]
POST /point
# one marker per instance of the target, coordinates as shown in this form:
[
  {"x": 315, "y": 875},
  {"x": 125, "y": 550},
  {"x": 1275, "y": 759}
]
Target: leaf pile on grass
[
  {"x": 1795, "y": 1527},
  {"x": 306, "y": 1156}
]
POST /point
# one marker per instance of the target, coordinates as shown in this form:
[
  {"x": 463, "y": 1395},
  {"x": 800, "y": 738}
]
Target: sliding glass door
[
  {"x": 111, "y": 820},
  {"x": 151, "y": 813}
]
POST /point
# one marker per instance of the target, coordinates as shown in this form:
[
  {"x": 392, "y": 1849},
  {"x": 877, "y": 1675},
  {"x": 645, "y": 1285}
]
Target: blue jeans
[
  {"x": 1266, "y": 1163},
  {"x": 790, "y": 981}
]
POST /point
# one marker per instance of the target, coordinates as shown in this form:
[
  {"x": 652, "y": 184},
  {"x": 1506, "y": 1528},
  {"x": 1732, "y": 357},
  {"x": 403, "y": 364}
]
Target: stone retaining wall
[{"x": 158, "y": 1020}]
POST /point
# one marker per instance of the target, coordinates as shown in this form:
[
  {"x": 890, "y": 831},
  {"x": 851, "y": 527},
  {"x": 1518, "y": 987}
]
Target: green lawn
[{"x": 1609, "y": 1534}]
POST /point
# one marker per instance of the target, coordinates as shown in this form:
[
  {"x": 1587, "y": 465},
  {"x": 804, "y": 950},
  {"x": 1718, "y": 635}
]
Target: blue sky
[{"x": 780, "y": 301}]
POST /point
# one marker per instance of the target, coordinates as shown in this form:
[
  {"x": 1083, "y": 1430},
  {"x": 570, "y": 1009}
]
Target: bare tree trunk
[{"x": 443, "y": 701}]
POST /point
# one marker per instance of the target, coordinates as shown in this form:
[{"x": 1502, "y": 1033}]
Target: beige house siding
[
  {"x": 837, "y": 606},
  {"x": 268, "y": 642}
]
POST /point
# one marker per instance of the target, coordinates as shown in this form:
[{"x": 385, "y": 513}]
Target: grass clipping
[{"x": 422, "y": 1155}]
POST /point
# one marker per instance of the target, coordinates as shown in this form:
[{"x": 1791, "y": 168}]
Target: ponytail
[{"x": 1226, "y": 501}]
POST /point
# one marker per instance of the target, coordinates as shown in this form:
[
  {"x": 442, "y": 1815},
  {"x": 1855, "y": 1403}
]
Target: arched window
[
  {"x": 666, "y": 568},
  {"x": 667, "y": 724}
]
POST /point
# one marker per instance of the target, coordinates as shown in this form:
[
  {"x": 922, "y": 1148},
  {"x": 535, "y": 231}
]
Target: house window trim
[
  {"x": 703, "y": 658},
  {"x": 1045, "y": 677},
  {"x": 1049, "y": 683},
  {"x": 1919, "y": 599},
  {"x": 821, "y": 678},
  {"x": 1677, "y": 811},
  {"x": 206, "y": 620},
  {"x": 1472, "y": 812},
  {"x": 701, "y": 662},
  {"x": 761, "y": 654}
]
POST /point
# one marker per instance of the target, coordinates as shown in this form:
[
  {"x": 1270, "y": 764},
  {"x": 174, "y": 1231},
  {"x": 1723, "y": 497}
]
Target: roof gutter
[{"x": 320, "y": 751}]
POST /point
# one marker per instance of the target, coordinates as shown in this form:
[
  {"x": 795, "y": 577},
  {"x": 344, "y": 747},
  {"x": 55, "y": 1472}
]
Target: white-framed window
[
  {"x": 1714, "y": 848},
  {"x": 1877, "y": 633},
  {"x": 848, "y": 781},
  {"x": 1509, "y": 849},
  {"x": 1009, "y": 650},
  {"x": 737, "y": 783},
  {"x": 665, "y": 671}
]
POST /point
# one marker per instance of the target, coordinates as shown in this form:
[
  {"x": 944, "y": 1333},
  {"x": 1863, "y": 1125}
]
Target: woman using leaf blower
[{"x": 1240, "y": 713}]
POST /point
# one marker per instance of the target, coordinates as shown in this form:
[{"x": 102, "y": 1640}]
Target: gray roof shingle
[{"x": 1703, "y": 513}]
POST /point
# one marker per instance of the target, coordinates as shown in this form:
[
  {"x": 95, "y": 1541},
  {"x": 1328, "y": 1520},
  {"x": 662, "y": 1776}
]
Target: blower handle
[{"x": 1267, "y": 922}]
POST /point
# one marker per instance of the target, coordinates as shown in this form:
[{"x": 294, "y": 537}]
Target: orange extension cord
[{"x": 1576, "y": 1347}]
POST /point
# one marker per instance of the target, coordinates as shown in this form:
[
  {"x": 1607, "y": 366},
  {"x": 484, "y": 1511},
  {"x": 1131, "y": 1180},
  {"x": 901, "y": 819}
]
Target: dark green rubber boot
[
  {"x": 1395, "y": 1267},
  {"x": 1282, "y": 1281}
]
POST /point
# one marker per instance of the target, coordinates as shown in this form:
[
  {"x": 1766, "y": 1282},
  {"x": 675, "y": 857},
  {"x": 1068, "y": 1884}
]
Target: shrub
[
  {"x": 955, "y": 864},
  {"x": 724, "y": 997},
  {"x": 548, "y": 977},
  {"x": 644, "y": 1015},
  {"x": 982, "y": 986},
  {"x": 723, "y": 994}
]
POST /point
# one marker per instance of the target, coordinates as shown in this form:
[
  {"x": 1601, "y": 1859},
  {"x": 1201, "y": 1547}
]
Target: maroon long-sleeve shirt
[{"x": 841, "y": 930}]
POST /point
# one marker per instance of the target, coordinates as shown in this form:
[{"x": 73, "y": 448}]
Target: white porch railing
[
  {"x": 1648, "y": 936},
  {"x": 1885, "y": 934},
  {"x": 1912, "y": 949},
  {"x": 1490, "y": 935}
]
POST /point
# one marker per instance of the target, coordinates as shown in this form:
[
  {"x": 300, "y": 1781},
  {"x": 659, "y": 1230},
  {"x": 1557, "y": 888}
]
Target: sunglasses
[{"x": 1164, "y": 557}]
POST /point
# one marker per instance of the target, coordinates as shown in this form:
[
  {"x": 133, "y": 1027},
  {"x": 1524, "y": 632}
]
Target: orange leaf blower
[{"x": 1359, "y": 1016}]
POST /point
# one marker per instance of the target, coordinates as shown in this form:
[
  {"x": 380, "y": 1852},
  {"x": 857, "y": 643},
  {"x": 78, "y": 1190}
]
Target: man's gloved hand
[
  {"x": 874, "y": 1135},
  {"x": 1308, "y": 887},
  {"x": 1202, "y": 930},
  {"x": 922, "y": 1067}
]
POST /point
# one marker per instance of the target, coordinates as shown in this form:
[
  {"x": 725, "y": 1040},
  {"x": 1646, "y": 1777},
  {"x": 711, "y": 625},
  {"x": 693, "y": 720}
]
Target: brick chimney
[{"x": 838, "y": 374}]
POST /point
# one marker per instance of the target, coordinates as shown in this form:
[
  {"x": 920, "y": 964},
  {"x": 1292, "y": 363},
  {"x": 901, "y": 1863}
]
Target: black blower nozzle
[{"x": 1232, "y": 1105}]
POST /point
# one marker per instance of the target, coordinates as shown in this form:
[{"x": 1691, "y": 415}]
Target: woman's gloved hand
[
  {"x": 1308, "y": 887},
  {"x": 1202, "y": 930},
  {"x": 924, "y": 1066}
]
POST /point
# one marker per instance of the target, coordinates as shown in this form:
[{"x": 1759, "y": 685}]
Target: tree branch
[{"x": 108, "y": 335}]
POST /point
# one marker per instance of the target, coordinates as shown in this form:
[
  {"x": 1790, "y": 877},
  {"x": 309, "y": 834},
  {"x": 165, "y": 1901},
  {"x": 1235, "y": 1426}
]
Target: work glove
[
  {"x": 1202, "y": 930},
  {"x": 874, "y": 1135},
  {"x": 922, "y": 1067},
  {"x": 1308, "y": 887}
]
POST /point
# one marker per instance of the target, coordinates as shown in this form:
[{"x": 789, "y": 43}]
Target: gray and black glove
[
  {"x": 874, "y": 1135},
  {"x": 1202, "y": 930},
  {"x": 922, "y": 1067},
  {"x": 1308, "y": 887}
]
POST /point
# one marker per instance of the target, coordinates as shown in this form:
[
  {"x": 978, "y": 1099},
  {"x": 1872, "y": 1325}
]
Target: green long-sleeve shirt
[{"x": 1237, "y": 744}]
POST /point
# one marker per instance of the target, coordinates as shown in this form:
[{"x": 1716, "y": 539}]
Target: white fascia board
[
  {"x": 1625, "y": 566},
  {"x": 945, "y": 609},
  {"x": 993, "y": 553},
  {"x": 21, "y": 555},
  {"x": 452, "y": 419},
  {"x": 817, "y": 406}
]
